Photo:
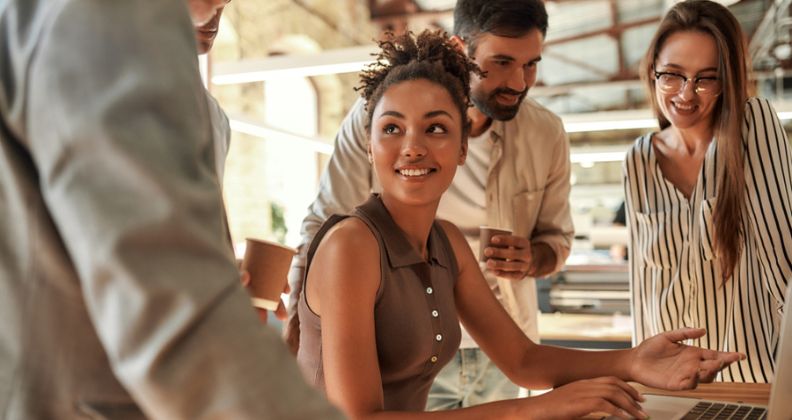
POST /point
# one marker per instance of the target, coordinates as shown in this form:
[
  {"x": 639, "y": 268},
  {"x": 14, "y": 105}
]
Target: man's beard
[{"x": 489, "y": 106}]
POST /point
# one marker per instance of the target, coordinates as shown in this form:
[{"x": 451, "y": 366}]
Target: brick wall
[{"x": 251, "y": 30}]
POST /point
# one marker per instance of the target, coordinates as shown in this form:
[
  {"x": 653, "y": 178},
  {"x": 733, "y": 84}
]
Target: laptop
[{"x": 660, "y": 407}]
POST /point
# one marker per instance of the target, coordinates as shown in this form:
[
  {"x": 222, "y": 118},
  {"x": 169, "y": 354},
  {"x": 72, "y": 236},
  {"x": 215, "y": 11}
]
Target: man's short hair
[{"x": 508, "y": 18}]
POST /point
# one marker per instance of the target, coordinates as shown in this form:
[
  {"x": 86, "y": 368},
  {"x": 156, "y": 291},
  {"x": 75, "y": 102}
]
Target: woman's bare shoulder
[{"x": 348, "y": 247}]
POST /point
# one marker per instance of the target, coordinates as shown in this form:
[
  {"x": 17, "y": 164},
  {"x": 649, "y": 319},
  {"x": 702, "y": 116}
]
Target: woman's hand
[
  {"x": 580, "y": 398},
  {"x": 664, "y": 362}
]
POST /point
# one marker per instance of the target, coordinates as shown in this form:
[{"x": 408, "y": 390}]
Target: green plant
[{"x": 278, "y": 222}]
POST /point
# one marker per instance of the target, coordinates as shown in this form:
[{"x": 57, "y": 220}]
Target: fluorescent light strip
[
  {"x": 271, "y": 133},
  {"x": 342, "y": 60},
  {"x": 260, "y": 75}
]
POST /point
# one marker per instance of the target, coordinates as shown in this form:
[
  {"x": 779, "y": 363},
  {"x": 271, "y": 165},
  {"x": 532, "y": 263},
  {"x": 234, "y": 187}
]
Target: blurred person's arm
[
  {"x": 347, "y": 180},
  {"x": 118, "y": 132},
  {"x": 221, "y": 135},
  {"x": 346, "y": 183}
]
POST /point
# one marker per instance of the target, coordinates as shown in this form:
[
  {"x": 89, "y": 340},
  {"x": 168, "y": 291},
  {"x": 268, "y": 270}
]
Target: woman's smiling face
[
  {"x": 416, "y": 141},
  {"x": 693, "y": 55}
]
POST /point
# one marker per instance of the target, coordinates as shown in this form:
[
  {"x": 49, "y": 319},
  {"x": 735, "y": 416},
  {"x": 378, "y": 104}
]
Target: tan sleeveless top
[{"x": 417, "y": 329}]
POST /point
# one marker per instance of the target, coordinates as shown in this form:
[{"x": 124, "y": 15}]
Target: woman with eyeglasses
[{"x": 708, "y": 197}]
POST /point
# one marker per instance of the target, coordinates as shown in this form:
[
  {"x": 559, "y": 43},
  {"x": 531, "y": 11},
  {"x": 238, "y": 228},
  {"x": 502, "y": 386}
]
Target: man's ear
[{"x": 459, "y": 44}]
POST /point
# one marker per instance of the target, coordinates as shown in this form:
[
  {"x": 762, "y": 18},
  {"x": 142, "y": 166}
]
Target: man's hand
[
  {"x": 664, "y": 362},
  {"x": 515, "y": 257},
  {"x": 509, "y": 257}
]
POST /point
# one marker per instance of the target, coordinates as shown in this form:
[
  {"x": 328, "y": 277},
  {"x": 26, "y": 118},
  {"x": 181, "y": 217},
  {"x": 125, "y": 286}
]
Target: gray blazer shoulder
[{"x": 118, "y": 293}]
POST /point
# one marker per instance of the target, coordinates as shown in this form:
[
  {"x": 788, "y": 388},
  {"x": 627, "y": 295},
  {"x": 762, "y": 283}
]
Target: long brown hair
[{"x": 733, "y": 70}]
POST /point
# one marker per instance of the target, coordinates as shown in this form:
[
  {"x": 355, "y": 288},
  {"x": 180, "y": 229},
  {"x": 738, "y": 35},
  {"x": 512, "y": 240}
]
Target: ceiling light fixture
[
  {"x": 609, "y": 120},
  {"x": 343, "y": 60}
]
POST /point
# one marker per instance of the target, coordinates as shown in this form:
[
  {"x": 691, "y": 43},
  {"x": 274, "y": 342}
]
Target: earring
[{"x": 370, "y": 158}]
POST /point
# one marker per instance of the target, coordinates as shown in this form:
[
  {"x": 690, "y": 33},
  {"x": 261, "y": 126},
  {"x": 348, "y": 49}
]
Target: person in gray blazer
[{"x": 118, "y": 296}]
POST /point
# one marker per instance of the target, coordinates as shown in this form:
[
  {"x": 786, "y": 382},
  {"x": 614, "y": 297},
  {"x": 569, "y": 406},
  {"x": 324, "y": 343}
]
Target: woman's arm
[
  {"x": 633, "y": 169},
  {"x": 768, "y": 180},
  {"x": 526, "y": 363},
  {"x": 536, "y": 366},
  {"x": 342, "y": 290},
  {"x": 661, "y": 361}
]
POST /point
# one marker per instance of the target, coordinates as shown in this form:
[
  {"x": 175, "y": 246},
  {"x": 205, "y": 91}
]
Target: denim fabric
[{"x": 470, "y": 378}]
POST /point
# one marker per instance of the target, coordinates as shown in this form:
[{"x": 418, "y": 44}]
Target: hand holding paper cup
[
  {"x": 268, "y": 265},
  {"x": 485, "y": 239}
]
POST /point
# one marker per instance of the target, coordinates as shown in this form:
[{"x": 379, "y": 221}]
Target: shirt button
[
  {"x": 434, "y": 359},
  {"x": 435, "y": 313},
  {"x": 429, "y": 290},
  {"x": 439, "y": 337}
]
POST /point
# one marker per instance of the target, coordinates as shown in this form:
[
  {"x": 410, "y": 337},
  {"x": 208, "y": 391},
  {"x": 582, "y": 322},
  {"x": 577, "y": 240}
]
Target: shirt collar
[
  {"x": 398, "y": 249},
  {"x": 497, "y": 128}
]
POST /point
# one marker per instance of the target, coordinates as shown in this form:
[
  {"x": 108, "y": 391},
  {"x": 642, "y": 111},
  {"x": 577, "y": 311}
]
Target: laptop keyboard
[{"x": 717, "y": 411}]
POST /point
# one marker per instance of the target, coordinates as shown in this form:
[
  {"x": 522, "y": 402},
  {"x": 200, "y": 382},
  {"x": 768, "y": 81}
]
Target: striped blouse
[{"x": 675, "y": 277}]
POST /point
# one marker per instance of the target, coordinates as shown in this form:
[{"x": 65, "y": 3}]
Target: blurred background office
[{"x": 286, "y": 85}]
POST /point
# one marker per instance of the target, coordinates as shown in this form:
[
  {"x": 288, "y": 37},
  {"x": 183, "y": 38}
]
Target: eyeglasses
[{"x": 674, "y": 83}]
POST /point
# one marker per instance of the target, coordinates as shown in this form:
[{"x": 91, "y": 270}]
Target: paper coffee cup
[
  {"x": 268, "y": 264},
  {"x": 485, "y": 239}
]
